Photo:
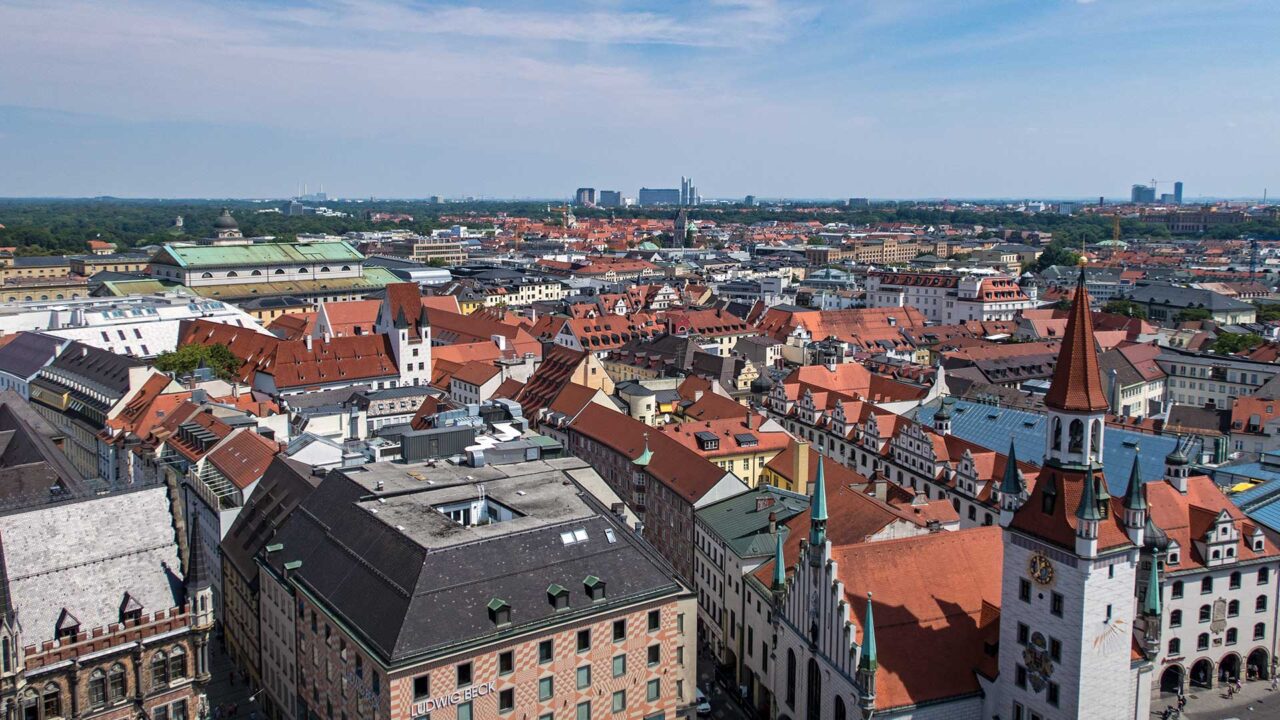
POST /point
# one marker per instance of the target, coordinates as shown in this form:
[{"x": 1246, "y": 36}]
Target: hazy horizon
[{"x": 890, "y": 99}]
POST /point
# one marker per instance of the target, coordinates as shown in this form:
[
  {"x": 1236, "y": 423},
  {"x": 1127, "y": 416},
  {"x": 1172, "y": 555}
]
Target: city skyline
[{"x": 883, "y": 99}]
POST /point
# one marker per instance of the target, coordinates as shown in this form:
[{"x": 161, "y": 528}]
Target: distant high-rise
[
  {"x": 585, "y": 197},
  {"x": 435, "y": 199},
  {"x": 1142, "y": 194},
  {"x": 659, "y": 196},
  {"x": 750, "y": 200},
  {"x": 610, "y": 198},
  {"x": 1177, "y": 192},
  {"x": 859, "y": 202},
  {"x": 688, "y": 192}
]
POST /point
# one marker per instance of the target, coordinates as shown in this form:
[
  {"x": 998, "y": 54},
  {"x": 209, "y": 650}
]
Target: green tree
[
  {"x": 1125, "y": 307},
  {"x": 1191, "y": 314},
  {"x": 1232, "y": 343},
  {"x": 187, "y": 358},
  {"x": 1057, "y": 253}
]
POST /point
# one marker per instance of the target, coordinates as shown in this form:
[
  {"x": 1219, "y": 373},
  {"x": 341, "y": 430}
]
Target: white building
[
  {"x": 137, "y": 326},
  {"x": 949, "y": 298}
]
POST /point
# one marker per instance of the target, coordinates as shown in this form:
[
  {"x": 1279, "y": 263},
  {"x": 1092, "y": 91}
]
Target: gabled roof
[{"x": 243, "y": 457}]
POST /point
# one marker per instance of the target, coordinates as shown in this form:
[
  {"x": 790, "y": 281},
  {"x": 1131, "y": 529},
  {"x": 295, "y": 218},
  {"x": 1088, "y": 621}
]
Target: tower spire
[
  {"x": 1151, "y": 603},
  {"x": 818, "y": 513},
  {"x": 1011, "y": 483},
  {"x": 1077, "y": 381},
  {"x": 867, "y": 661},
  {"x": 779, "y": 565}
]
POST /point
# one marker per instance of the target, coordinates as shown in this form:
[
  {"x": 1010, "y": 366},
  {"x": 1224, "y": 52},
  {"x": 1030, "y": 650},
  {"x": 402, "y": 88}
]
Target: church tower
[{"x": 1070, "y": 562}]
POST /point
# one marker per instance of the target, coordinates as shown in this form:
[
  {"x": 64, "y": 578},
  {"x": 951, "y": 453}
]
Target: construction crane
[{"x": 1115, "y": 228}]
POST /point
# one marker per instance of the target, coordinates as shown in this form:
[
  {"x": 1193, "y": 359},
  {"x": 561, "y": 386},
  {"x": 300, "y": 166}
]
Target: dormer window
[
  {"x": 594, "y": 587},
  {"x": 558, "y": 596},
  {"x": 130, "y": 610},
  {"x": 499, "y": 612},
  {"x": 68, "y": 626}
]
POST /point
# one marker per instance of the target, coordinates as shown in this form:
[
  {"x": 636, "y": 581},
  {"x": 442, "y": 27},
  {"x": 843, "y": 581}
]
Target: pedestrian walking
[
  {"x": 1275, "y": 682},
  {"x": 1182, "y": 702}
]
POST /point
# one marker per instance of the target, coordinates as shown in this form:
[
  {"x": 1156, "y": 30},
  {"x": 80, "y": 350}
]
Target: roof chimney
[
  {"x": 800, "y": 468},
  {"x": 773, "y": 523},
  {"x": 749, "y": 419}
]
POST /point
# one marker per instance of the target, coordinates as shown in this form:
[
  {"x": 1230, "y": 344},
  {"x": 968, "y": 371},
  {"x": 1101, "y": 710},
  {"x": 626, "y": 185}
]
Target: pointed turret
[
  {"x": 779, "y": 566},
  {"x": 942, "y": 418},
  {"x": 1176, "y": 466},
  {"x": 1077, "y": 380},
  {"x": 1135, "y": 504},
  {"x": 867, "y": 661},
  {"x": 1013, "y": 489},
  {"x": 818, "y": 515},
  {"x": 1088, "y": 516}
]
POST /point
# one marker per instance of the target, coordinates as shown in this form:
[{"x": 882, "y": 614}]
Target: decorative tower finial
[
  {"x": 1013, "y": 489},
  {"x": 646, "y": 456}
]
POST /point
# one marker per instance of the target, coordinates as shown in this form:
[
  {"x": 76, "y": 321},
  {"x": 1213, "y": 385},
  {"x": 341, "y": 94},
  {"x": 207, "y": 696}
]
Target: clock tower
[{"x": 1067, "y": 601}]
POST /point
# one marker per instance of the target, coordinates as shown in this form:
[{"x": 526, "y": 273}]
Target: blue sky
[{"x": 778, "y": 98}]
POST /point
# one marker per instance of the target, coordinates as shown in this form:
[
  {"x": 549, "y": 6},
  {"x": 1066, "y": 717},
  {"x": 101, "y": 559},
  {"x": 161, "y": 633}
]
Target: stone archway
[
  {"x": 1229, "y": 667},
  {"x": 1202, "y": 673},
  {"x": 1258, "y": 665},
  {"x": 1171, "y": 680}
]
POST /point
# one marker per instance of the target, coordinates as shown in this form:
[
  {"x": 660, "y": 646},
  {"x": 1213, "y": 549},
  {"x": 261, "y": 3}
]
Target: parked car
[{"x": 704, "y": 705}]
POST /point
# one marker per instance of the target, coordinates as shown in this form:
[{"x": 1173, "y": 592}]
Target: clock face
[{"x": 1041, "y": 569}]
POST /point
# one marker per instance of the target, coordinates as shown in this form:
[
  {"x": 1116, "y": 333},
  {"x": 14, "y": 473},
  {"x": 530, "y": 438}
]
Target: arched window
[
  {"x": 1075, "y": 443},
  {"x": 1260, "y": 605},
  {"x": 159, "y": 669},
  {"x": 44, "y": 297},
  {"x": 1233, "y": 608},
  {"x": 1177, "y": 589},
  {"x": 98, "y": 688},
  {"x": 1175, "y": 618},
  {"x": 1232, "y": 636},
  {"x": 1095, "y": 440},
  {"x": 117, "y": 684},
  {"x": 1057, "y": 433},
  {"x": 1175, "y": 646},
  {"x": 4, "y": 650},
  {"x": 840, "y": 713},
  {"x": 1205, "y": 613},
  {"x": 813, "y": 691},
  {"x": 346, "y": 268},
  {"x": 206, "y": 275},
  {"x": 279, "y": 271},
  {"x": 177, "y": 663},
  {"x": 1202, "y": 641},
  {"x": 59, "y": 296},
  {"x": 324, "y": 268},
  {"x": 52, "y": 700},
  {"x": 791, "y": 678},
  {"x": 1264, "y": 576},
  {"x": 1234, "y": 583},
  {"x": 233, "y": 273},
  {"x": 1206, "y": 586},
  {"x": 1259, "y": 631},
  {"x": 255, "y": 273}
]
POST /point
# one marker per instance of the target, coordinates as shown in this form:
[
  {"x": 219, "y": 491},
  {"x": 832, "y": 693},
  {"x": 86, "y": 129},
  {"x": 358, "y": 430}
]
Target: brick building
[{"x": 490, "y": 592}]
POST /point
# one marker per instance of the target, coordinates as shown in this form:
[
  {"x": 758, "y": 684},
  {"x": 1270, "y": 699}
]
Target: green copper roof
[
  {"x": 742, "y": 522},
  {"x": 374, "y": 278},
  {"x": 646, "y": 456},
  {"x": 257, "y": 254},
  {"x": 1134, "y": 497},
  {"x": 868, "y": 660},
  {"x": 1151, "y": 603},
  {"x": 121, "y": 288},
  {"x": 1088, "y": 509}
]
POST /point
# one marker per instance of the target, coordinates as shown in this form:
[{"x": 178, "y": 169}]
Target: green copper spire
[
  {"x": 1088, "y": 509},
  {"x": 818, "y": 509},
  {"x": 1151, "y": 603},
  {"x": 868, "y": 660},
  {"x": 645, "y": 456},
  {"x": 1011, "y": 484},
  {"x": 1134, "y": 497},
  {"x": 779, "y": 565}
]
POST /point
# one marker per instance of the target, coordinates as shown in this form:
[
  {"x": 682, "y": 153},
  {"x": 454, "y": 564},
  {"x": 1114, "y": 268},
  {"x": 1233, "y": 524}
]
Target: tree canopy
[
  {"x": 187, "y": 358},
  {"x": 1127, "y": 308}
]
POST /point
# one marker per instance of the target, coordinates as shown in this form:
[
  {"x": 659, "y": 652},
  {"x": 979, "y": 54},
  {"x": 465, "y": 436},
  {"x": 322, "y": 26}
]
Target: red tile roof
[
  {"x": 243, "y": 457},
  {"x": 1077, "y": 379}
]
